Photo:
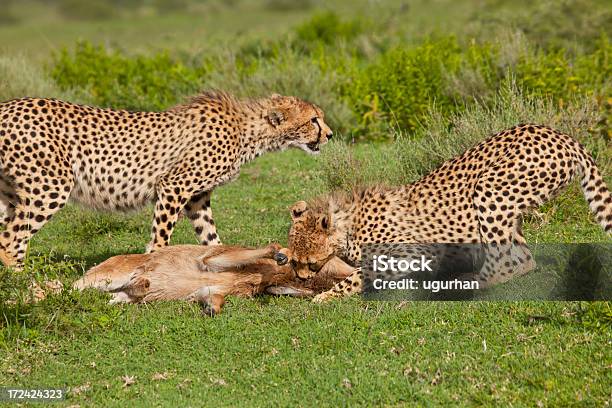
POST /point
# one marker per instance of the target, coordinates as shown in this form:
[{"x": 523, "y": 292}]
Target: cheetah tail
[{"x": 595, "y": 191}]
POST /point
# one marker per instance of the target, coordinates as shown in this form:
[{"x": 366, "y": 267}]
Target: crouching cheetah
[
  {"x": 476, "y": 198},
  {"x": 51, "y": 151}
]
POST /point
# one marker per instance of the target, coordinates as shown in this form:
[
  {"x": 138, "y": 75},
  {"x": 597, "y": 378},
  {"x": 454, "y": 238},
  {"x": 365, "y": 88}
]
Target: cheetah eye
[
  {"x": 314, "y": 120},
  {"x": 313, "y": 267}
]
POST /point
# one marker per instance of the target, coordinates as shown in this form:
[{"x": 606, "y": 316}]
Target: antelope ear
[
  {"x": 298, "y": 209},
  {"x": 275, "y": 117}
]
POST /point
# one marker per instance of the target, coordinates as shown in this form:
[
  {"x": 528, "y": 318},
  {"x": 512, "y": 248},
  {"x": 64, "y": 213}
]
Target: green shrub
[
  {"x": 442, "y": 136},
  {"x": 251, "y": 54},
  {"x": 393, "y": 89},
  {"x": 595, "y": 69},
  {"x": 111, "y": 78},
  {"x": 477, "y": 76},
  {"x": 398, "y": 88},
  {"x": 327, "y": 28},
  {"x": 554, "y": 74},
  {"x": 547, "y": 74},
  {"x": 288, "y": 73},
  {"x": 20, "y": 77},
  {"x": 401, "y": 85}
]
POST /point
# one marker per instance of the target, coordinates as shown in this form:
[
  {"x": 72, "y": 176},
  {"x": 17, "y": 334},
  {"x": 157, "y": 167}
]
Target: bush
[
  {"x": 392, "y": 90},
  {"x": 110, "y": 78},
  {"x": 19, "y": 77},
  {"x": 327, "y": 28},
  {"x": 554, "y": 74},
  {"x": 441, "y": 137},
  {"x": 397, "y": 89},
  {"x": 400, "y": 86},
  {"x": 287, "y": 73}
]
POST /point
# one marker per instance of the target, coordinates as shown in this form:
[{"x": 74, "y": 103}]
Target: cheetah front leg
[
  {"x": 349, "y": 286},
  {"x": 7, "y": 211},
  {"x": 199, "y": 212},
  {"x": 7, "y": 200}
]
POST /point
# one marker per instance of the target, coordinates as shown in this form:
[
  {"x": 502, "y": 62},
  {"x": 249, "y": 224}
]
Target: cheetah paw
[
  {"x": 323, "y": 297},
  {"x": 8, "y": 260}
]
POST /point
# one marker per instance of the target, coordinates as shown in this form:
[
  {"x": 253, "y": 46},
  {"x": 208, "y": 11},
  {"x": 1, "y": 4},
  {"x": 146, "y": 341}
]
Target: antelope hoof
[
  {"x": 280, "y": 258},
  {"x": 209, "y": 310}
]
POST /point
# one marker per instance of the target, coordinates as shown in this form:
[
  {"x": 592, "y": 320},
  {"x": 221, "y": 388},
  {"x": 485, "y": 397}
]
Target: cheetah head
[
  {"x": 311, "y": 243},
  {"x": 299, "y": 123}
]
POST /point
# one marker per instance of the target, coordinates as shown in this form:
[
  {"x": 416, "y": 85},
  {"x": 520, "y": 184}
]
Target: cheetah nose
[
  {"x": 280, "y": 258},
  {"x": 329, "y": 135}
]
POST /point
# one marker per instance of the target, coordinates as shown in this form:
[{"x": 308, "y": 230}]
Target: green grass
[
  {"x": 290, "y": 352},
  {"x": 279, "y": 351}
]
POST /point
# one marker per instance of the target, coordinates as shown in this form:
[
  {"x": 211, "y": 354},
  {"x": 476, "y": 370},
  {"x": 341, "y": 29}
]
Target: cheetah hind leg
[
  {"x": 506, "y": 261},
  {"x": 520, "y": 251},
  {"x": 199, "y": 212},
  {"x": 7, "y": 213},
  {"x": 170, "y": 201},
  {"x": 499, "y": 214},
  {"x": 8, "y": 256},
  {"x": 30, "y": 215},
  {"x": 7, "y": 199}
]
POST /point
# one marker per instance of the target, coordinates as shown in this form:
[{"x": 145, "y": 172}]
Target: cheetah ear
[
  {"x": 276, "y": 96},
  {"x": 275, "y": 117},
  {"x": 298, "y": 209}
]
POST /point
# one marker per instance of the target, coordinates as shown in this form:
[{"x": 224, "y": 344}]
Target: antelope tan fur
[{"x": 205, "y": 274}]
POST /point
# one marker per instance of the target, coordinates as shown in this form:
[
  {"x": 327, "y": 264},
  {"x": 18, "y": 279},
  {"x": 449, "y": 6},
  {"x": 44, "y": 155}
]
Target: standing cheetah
[
  {"x": 51, "y": 151},
  {"x": 476, "y": 198}
]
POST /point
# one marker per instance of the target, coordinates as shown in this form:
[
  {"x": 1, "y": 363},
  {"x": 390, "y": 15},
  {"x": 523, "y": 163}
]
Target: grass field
[{"x": 271, "y": 351}]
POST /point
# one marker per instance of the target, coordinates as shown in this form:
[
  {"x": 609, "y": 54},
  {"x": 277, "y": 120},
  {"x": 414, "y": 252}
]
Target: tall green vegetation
[{"x": 369, "y": 81}]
